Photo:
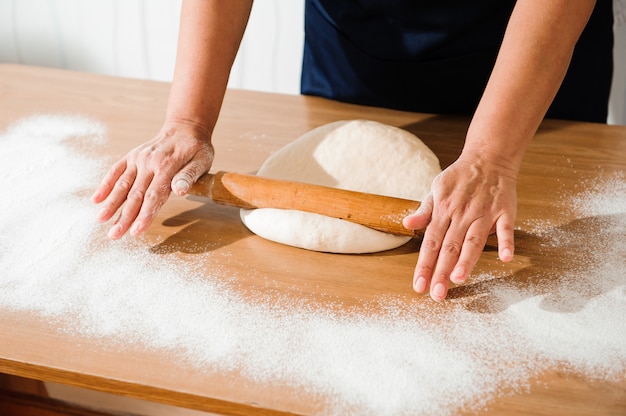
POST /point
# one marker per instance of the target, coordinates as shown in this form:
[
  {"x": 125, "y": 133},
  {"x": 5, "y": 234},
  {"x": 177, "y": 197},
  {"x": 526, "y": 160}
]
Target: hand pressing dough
[{"x": 357, "y": 155}]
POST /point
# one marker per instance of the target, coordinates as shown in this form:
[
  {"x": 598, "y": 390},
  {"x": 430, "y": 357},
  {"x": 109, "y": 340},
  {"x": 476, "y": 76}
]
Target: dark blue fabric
[
  {"x": 584, "y": 94},
  {"x": 436, "y": 56}
]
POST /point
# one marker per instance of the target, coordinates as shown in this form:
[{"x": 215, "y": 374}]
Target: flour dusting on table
[{"x": 57, "y": 262}]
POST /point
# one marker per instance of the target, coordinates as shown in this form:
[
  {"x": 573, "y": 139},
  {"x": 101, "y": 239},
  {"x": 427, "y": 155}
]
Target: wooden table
[{"x": 252, "y": 125}]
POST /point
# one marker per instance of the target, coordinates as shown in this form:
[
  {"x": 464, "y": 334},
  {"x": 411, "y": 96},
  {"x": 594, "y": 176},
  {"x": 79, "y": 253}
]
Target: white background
[{"x": 137, "y": 38}]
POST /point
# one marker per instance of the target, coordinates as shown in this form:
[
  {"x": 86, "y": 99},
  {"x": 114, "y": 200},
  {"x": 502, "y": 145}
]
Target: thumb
[
  {"x": 421, "y": 218},
  {"x": 188, "y": 175}
]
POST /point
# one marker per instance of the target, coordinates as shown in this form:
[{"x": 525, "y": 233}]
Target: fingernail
[
  {"x": 102, "y": 214},
  {"x": 183, "y": 186},
  {"x": 458, "y": 275},
  {"x": 506, "y": 255},
  {"x": 115, "y": 231},
  {"x": 420, "y": 284},
  {"x": 95, "y": 196},
  {"x": 135, "y": 230},
  {"x": 439, "y": 291}
]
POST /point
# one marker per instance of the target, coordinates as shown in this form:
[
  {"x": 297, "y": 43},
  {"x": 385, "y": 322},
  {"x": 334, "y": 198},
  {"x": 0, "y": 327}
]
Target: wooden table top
[{"x": 252, "y": 125}]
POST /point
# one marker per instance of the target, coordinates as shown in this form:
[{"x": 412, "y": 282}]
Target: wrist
[
  {"x": 190, "y": 126},
  {"x": 493, "y": 143},
  {"x": 487, "y": 159}
]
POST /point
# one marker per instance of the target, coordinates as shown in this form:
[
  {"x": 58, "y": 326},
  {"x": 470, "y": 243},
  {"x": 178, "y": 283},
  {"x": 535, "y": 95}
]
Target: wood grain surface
[{"x": 251, "y": 127}]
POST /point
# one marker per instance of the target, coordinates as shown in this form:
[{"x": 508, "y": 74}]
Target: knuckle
[
  {"x": 135, "y": 194},
  {"x": 440, "y": 277},
  {"x": 474, "y": 241},
  {"x": 153, "y": 196},
  {"x": 164, "y": 164},
  {"x": 123, "y": 185},
  {"x": 424, "y": 270},
  {"x": 451, "y": 247},
  {"x": 430, "y": 245},
  {"x": 154, "y": 159},
  {"x": 125, "y": 219}
]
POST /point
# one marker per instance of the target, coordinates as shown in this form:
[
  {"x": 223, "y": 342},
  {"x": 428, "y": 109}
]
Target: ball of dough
[{"x": 358, "y": 155}]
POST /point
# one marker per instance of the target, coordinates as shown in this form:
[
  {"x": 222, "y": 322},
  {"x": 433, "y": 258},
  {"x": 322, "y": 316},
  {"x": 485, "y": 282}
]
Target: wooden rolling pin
[{"x": 381, "y": 213}]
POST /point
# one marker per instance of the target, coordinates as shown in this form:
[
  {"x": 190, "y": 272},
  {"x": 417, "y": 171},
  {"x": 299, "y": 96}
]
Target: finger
[
  {"x": 117, "y": 196},
  {"x": 447, "y": 259},
  {"x": 182, "y": 181},
  {"x": 155, "y": 197},
  {"x": 428, "y": 254},
  {"x": 108, "y": 183},
  {"x": 473, "y": 245},
  {"x": 421, "y": 217},
  {"x": 505, "y": 230},
  {"x": 131, "y": 207}
]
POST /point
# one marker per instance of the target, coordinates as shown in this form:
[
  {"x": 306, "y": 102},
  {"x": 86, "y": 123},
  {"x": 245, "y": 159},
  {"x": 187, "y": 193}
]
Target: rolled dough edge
[{"x": 339, "y": 236}]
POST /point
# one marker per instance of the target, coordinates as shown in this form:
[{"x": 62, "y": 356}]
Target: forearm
[
  {"x": 140, "y": 183},
  {"x": 532, "y": 62},
  {"x": 210, "y": 34}
]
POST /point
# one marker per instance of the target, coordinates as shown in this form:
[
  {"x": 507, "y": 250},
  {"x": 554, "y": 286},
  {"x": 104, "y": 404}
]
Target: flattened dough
[{"x": 357, "y": 155}]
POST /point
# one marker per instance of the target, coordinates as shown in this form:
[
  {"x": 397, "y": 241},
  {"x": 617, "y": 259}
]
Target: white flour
[{"x": 56, "y": 262}]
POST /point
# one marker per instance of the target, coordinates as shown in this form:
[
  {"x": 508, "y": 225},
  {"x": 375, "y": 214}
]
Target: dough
[{"x": 357, "y": 155}]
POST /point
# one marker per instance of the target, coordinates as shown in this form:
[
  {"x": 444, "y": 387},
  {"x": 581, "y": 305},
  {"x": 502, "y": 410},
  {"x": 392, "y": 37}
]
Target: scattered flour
[
  {"x": 577, "y": 318},
  {"x": 409, "y": 357}
]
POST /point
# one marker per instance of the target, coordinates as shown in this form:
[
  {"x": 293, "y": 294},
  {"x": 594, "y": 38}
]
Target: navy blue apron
[{"x": 436, "y": 57}]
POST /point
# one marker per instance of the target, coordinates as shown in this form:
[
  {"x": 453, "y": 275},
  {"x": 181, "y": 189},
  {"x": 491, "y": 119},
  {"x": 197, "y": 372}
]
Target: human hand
[
  {"x": 140, "y": 183},
  {"x": 468, "y": 201}
]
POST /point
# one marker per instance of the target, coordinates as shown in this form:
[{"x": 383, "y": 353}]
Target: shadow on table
[
  {"x": 206, "y": 228},
  {"x": 210, "y": 227},
  {"x": 569, "y": 265},
  {"x": 445, "y": 134}
]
